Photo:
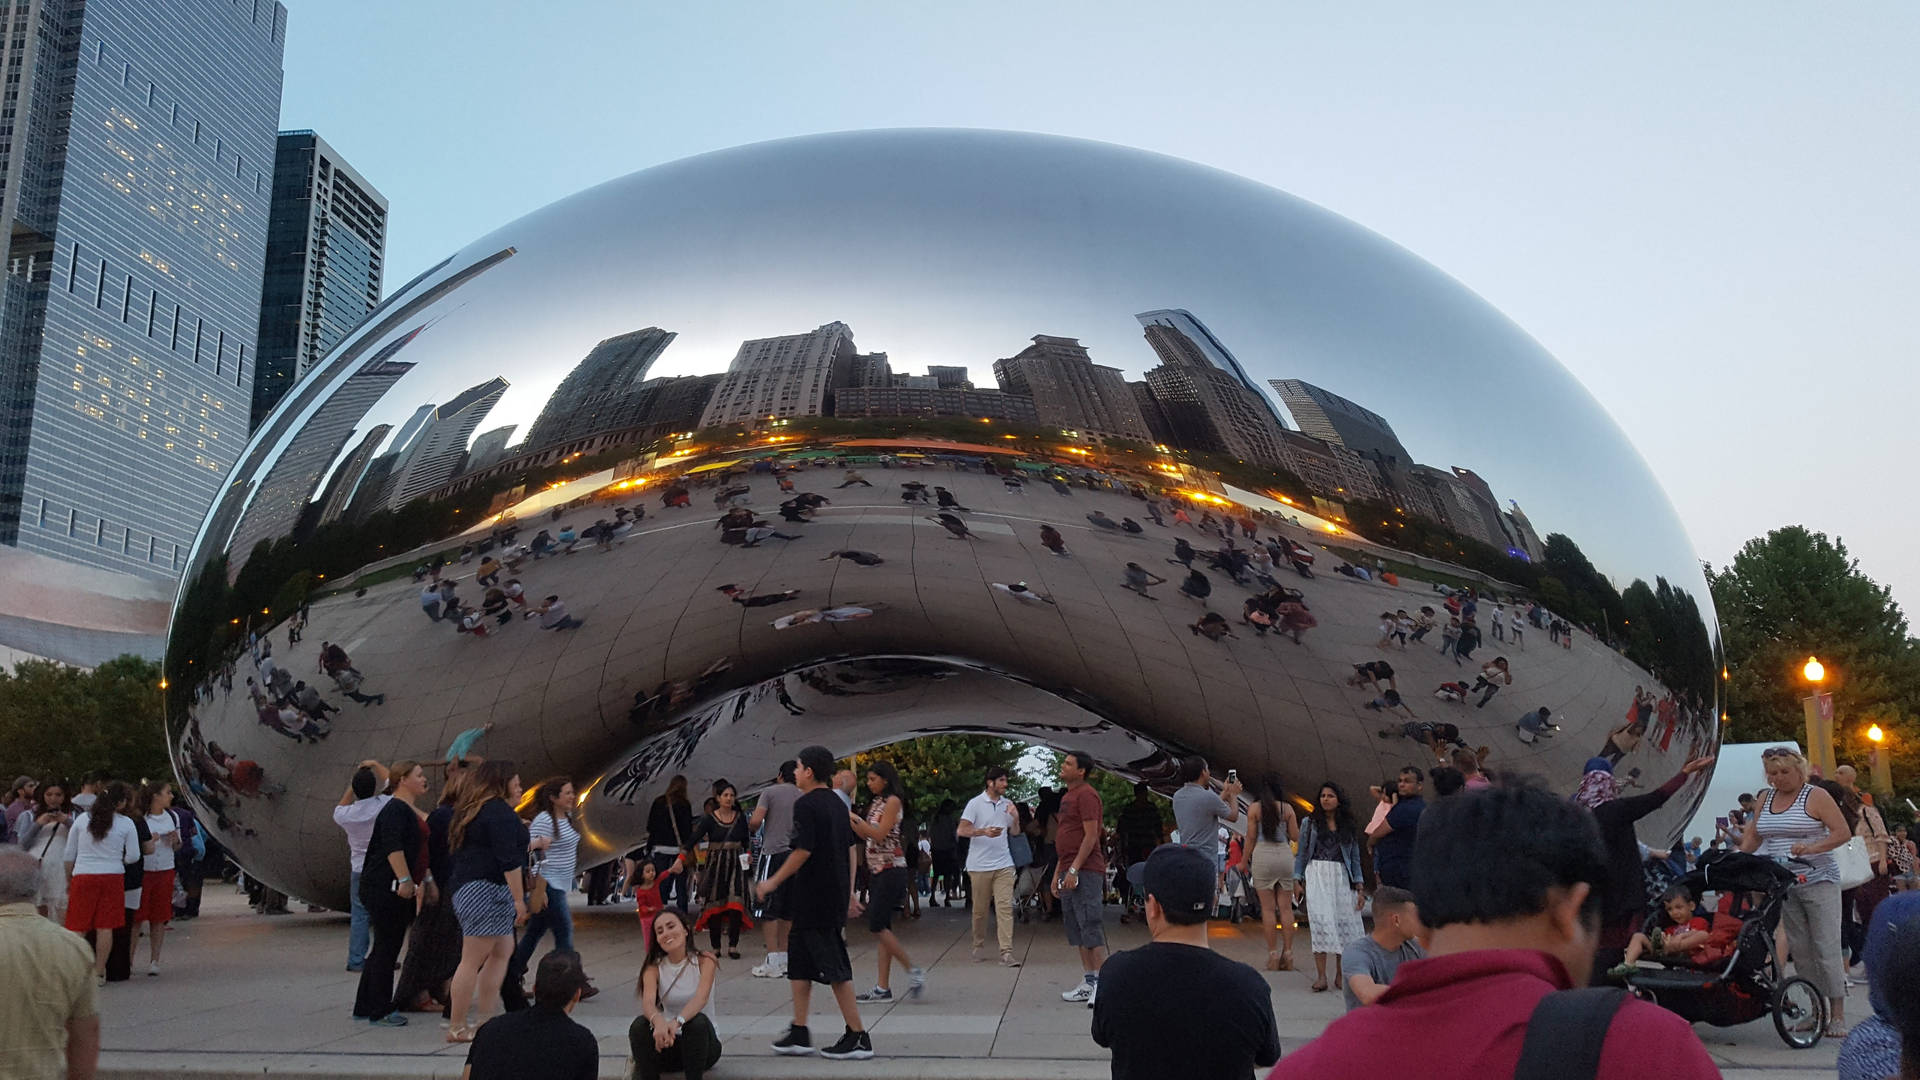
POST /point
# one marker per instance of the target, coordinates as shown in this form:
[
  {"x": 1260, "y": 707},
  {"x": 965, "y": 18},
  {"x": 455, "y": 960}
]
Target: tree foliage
[
  {"x": 936, "y": 767},
  {"x": 65, "y": 722},
  {"x": 1795, "y": 593}
]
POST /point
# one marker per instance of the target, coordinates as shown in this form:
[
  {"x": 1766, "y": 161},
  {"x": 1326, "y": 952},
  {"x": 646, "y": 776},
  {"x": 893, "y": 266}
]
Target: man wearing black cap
[{"x": 1174, "y": 1007}]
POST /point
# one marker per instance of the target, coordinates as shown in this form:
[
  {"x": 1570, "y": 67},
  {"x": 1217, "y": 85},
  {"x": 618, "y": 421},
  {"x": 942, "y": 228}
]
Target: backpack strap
[{"x": 1565, "y": 1033}]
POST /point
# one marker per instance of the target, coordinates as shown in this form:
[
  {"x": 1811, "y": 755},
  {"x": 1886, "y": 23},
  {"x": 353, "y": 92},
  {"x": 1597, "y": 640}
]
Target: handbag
[
  {"x": 1856, "y": 867},
  {"x": 1020, "y": 849}
]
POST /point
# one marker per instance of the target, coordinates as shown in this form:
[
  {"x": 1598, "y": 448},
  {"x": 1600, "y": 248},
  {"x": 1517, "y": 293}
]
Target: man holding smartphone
[
  {"x": 987, "y": 821},
  {"x": 1198, "y": 813}
]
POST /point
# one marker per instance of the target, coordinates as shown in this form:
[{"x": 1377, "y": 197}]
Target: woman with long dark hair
[
  {"x": 1268, "y": 863},
  {"x": 674, "y": 1031},
  {"x": 1326, "y": 872},
  {"x": 669, "y": 833},
  {"x": 392, "y": 875},
  {"x": 97, "y": 859},
  {"x": 489, "y": 845},
  {"x": 724, "y": 879},
  {"x": 156, "y": 881},
  {"x": 556, "y": 848},
  {"x": 887, "y": 863},
  {"x": 43, "y": 833}
]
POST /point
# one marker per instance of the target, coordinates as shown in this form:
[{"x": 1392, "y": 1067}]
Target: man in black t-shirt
[
  {"x": 542, "y": 1041},
  {"x": 1174, "y": 1007},
  {"x": 819, "y": 895}
]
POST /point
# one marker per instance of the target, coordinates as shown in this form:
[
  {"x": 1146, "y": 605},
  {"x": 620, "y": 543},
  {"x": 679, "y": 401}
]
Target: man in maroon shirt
[
  {"x": 1505, "y": 878},
  {"x": 1081, "y": 881}
]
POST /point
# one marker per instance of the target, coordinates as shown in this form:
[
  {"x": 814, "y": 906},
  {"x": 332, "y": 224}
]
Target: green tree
[
  {"x": 936, "y": 767},
  {"x": 66, "y": 722},
  {"x": 1795, "y": 593}
]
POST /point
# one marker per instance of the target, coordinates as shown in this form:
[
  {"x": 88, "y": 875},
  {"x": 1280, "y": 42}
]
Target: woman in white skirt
[
  {"x": 1326, "y": 870},
  {"x": 43, "y": 833}
]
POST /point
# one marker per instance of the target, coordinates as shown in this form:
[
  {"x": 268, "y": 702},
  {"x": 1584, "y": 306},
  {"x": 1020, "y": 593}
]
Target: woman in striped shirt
[
  {"x": 1798, "y": 820},
  {"x": 556, "y": 848}
]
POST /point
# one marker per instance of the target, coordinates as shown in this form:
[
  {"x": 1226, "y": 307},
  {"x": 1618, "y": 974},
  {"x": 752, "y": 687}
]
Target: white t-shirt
[
  {"x": 356, "y": 819},
  {"x": 160, "y": 825},
  {"x": 990, "y": 852},
  {"x": 109, "y": 856}
]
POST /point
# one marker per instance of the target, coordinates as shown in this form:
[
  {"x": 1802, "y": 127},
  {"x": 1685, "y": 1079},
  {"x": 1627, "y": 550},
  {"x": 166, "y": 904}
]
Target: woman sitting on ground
[{"x": 673, "y": 1032}]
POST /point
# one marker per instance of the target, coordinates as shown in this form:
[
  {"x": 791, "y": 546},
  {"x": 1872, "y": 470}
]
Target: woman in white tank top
[
  {"x": 674, "y": 1031},
  {"x": 1796, "y": 820}
]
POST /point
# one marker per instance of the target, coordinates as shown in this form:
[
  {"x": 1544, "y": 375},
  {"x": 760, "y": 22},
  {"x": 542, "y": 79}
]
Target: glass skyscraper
[
  {"x": 136, "y": 153},
  {"x": 326, "y": 254}
]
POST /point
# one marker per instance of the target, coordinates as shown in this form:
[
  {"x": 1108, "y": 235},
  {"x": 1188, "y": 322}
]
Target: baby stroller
[{"x": 1749, "y": 983}]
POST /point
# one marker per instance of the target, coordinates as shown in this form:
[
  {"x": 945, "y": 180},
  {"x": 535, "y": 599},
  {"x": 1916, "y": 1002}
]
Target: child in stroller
[{"x": 1683, "y": 938}]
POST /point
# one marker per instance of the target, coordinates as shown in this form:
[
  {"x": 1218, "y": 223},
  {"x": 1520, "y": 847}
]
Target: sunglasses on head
[{"x": 1779, "y": 751}]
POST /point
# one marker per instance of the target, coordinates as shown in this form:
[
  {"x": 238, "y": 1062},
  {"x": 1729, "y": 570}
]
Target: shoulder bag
[{"x": 1856, "y": 867}]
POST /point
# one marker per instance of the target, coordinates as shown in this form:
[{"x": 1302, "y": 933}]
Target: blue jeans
[
  {"x": 556, "y": 917},
  {"x": 361, "y": 934}
]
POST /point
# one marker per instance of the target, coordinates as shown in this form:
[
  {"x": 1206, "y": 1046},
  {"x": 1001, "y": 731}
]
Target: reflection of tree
[{"x": 1793, "y": 594}]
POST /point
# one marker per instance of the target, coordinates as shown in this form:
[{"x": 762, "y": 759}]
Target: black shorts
[
  {"x": 885, "y": 895},
  {"x": 818, "y": 954},
  {"x": 775, "y": 905}
]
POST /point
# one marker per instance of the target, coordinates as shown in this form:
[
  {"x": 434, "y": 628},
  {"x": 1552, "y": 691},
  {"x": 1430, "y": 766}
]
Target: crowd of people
[{"x": 1466, "y": 917}]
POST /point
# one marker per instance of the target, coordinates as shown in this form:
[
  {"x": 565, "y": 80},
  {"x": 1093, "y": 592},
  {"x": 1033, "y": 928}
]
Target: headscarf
[{"x": 1598, "y": 786}]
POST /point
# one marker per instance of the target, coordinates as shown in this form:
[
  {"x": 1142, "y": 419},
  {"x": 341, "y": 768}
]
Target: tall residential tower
[{"x": 326, "y": 249}]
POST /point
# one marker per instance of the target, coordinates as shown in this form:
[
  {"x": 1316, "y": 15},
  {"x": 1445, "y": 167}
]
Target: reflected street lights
[{"x": 1818, "y": 708}]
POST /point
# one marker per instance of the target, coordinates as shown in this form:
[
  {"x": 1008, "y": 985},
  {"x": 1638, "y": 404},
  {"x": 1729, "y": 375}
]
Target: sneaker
[
  {"x": 392, "y": 1019},
  {"x": 796, "y": 1042},
  {"x": 1081, "y": 992},
  {"x": 878, "y": 993},
  {"x": 769, "y": 970},
  {"x": 918, "y": 986},
  {"x": 1007, "y": 959},
  {"x": 99, "y": 980},
  {"x": 354, "y": 968},
  {"x": 1094, "y": 995},
  {"x": 979, "y": 954},
  {"x": 854, "y": 1045},
  {"x": 153, "y": 969}
]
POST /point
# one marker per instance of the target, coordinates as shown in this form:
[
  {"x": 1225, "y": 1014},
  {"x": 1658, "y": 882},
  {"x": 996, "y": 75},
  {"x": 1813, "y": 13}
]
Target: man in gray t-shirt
[
  {"x": 1198, "y": 813},
  {"x": 1369, "y": 962},
  {"x": 774, "y": 815}
]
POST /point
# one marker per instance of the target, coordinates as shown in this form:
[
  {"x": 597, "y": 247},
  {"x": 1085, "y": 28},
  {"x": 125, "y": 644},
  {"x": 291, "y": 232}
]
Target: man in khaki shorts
[{"x": 990, "y": 817}]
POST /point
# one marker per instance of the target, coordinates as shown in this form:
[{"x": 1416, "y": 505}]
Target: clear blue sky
[{"x": 1708, "y": 214}]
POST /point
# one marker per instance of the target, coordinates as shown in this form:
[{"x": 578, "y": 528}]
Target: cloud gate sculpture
[{"x": 852, "y": 438}]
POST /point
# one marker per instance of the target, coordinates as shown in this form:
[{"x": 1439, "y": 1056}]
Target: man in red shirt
[
  {"x": 1081, "y": 876},
  {"x": 1505, "y": 879}
]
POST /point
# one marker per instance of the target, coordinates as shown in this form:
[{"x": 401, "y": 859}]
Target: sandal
[
  {"x": 1319, "y": 986},
  {"x": 459, "y": 1033},
  {"x": 1286, "y": 959},
  {"x": 1273, "y": 960},
  {"x": 1835, "y": 1031}
]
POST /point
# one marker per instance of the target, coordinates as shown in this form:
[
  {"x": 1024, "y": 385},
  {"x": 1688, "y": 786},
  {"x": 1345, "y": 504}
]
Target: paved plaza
[{"x": 245, "y": 995}]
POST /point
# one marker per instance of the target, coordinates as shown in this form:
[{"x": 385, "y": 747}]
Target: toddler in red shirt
[{"x": 1683, "y": 940}]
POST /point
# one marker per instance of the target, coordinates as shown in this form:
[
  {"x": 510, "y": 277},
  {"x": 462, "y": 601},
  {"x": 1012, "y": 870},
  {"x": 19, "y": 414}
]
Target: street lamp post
[
  {"x": 1818, "y": 708},
  {"x": 1878, "y": 765}
]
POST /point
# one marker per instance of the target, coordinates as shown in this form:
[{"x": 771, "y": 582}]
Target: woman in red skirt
[
  {"x": 156, "y": 884},
  {"x": 98, "y": 854}
]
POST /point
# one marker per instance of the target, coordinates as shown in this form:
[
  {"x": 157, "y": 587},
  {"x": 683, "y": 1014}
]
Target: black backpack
[{"x": 1565, "y": 1033}]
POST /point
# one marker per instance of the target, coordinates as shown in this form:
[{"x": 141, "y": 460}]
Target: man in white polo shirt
[
  {"x": 990, "y": 817},
  {"x": 358, "y": 807}
]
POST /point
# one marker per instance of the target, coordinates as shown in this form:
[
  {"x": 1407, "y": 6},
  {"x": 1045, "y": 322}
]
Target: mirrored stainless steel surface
[{"x": 674, "y": 331}]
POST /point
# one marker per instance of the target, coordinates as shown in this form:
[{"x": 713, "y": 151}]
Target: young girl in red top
[{"x": 646, "y": 899}]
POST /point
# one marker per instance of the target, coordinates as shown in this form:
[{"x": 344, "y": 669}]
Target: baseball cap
[{"x": 1180, "y": 877}]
